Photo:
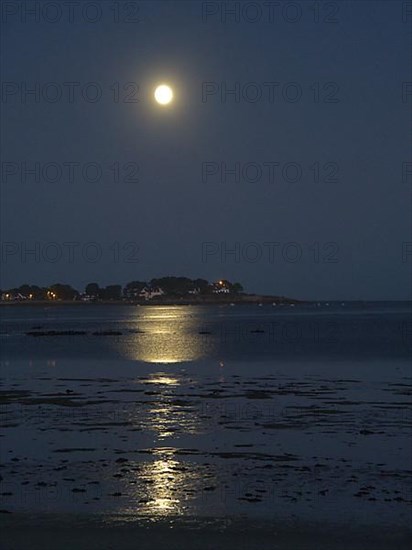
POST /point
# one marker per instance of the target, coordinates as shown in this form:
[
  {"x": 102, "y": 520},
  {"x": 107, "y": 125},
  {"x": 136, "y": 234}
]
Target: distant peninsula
[{"x": 159, "y": 291}]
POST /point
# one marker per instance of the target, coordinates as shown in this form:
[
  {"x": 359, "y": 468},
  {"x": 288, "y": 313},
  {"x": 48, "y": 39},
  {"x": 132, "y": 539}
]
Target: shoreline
[
  {"x": 246, "y": 299},
  {"x": 93, "y": 532}
]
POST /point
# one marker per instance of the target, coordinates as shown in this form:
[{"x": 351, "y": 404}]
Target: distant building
[
  {"x": 149, "y": 293},
  {"x": 12, "y": 297},
  {"x": 221, "y": 291},
  {"x": 220, "y": 288}
]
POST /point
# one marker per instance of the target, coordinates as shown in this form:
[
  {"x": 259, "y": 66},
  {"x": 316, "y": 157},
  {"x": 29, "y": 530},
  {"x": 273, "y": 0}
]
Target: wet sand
[
  {"x": 67, "y": 533},
  {"x": 280, "y": 452},
  {"x": 176, "y": 442}
]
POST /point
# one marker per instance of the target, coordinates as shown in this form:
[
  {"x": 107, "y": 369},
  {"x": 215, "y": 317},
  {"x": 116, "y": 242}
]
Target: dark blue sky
[{"x": 317, "y": 209}]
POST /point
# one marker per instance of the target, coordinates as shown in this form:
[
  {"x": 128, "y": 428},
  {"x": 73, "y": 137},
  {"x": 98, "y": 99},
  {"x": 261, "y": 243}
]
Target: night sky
[{"x": 291, "y": 184}]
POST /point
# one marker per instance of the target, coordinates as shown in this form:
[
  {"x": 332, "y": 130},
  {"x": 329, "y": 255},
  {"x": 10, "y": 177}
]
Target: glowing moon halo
[{"x": 163, "y": 94}]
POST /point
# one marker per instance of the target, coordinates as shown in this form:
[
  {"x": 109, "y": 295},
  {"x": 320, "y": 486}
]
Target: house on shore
[
  {"x": 220, "y": 288},
  {"x": 148, "y": 293}
]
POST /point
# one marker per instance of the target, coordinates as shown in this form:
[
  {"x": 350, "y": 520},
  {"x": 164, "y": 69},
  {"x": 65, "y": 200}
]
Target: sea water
[{"x": 245, "y": 411}]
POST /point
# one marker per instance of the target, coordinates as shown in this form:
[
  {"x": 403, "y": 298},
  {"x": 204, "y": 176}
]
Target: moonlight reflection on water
[{"x": 171, "y": 337}]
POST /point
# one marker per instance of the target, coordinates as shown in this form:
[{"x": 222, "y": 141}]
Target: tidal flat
[{"x": 172, "y": 428}]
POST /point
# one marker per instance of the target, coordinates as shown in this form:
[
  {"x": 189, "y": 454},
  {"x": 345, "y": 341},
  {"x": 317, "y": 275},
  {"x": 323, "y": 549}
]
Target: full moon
[{"x": 163, "y": 94}]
